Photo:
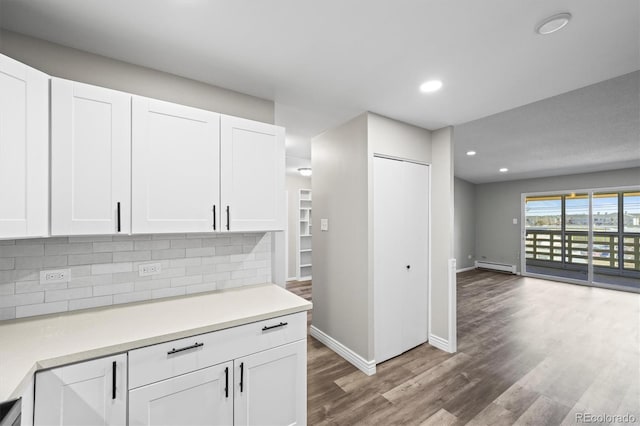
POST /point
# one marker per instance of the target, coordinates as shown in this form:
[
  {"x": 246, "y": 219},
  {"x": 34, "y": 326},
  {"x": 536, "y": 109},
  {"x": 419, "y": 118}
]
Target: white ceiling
[{"x": 323, "y": 62}]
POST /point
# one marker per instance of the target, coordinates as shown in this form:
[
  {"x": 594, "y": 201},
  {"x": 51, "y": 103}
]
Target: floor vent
[{"x": 495, "y": 266}]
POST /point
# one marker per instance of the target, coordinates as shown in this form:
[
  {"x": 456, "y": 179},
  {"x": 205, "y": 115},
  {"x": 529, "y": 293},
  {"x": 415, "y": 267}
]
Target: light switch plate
[
  {"x": 515, "y": 220},
  {"x": 324, "y": 224}
]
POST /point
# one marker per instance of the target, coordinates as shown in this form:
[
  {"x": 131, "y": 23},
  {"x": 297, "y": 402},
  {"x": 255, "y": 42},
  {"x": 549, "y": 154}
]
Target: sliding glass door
[{"x": 589, "y": 237}]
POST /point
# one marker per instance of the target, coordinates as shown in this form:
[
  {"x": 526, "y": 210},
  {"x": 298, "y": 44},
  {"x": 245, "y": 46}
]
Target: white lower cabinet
[
  {"x": 253, "y": 374},
  {"x": 203, "y": 397},
  {"x": 272, "y": 387},
  {"x": 88, "y": 393}
]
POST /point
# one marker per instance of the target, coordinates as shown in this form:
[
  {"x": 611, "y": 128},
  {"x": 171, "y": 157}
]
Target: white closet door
[
  {"x": 400, "y": 218},
  {"x": 90, "y": 159},
  {"x": 24, "y": 150},
  {"x": 252, "y": 174},
  {"x": 176, "y": 157}
]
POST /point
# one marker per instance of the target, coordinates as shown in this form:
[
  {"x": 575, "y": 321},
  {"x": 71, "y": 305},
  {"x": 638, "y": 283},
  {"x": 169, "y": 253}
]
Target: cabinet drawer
[{"x": 165, "y": 360}]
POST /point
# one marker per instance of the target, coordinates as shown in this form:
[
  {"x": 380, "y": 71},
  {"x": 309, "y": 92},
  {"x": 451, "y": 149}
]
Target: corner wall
[
  {"x": 465, "y": 223},
  {"x": 497, "y": 238},
  {"x": 340, "y": 255},
  {"x": 65, "y": 62}
]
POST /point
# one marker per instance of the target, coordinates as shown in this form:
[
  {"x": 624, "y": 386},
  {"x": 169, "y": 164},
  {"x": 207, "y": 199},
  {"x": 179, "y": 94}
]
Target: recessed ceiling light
[
  {"x": 553, "y": 23},
  {"x": 430, "y": 86},
  {"x": 504, "y": 170},
  {"x": 471, "y": 153},
  {"x": 304, "y": 171}
]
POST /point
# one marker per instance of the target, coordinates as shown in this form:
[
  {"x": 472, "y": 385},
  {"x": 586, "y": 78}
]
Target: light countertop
[{"x": 32, "y": 344}]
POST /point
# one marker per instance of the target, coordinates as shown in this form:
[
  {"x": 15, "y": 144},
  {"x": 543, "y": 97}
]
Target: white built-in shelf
[{"x": 304, "y": 235}]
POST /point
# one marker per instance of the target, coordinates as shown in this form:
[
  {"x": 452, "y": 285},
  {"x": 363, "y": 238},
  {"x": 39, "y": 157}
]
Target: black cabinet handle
[
  {"x": 227, "y": 218},
  {"x": 214, "y": 217},
  {"x": 271, "y": 327},
  {"x": 186, "y": 348},
  {"x": 118, "y": 209},
  {"x": 113, "y": 380},
  {"x": 226, "y": 382},
  {"x": 241, "y": 375}
]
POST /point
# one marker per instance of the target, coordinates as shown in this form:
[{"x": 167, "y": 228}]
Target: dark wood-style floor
[{"x": 530, "y": 352}]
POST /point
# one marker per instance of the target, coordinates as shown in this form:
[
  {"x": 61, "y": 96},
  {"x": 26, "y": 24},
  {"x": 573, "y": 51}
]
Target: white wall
[
  {"x": 294, "y": 183},
  {"x": 465, "y": 223},
  {"x": 443, "y": 289},
  {"x": 340, "y": 256},
  {"x": 497, "y": 238},
  {"x": 73, "y": 64}
]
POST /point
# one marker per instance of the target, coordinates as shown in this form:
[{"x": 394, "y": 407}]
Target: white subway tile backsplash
[
  {"x": 22, "y": 250},
  {"x": 135, "y": 296},
  {"x": 103, "y": 290},
  {"x": 7, "y": 289},
  {"x": 7, "y": 263},
  {"x": 68, "y": 294},
  {"x": 41, "y": 309},
  {"x": 131, "y": 256},
  {"x": 7, "y": 313},
  {"x": 104, "y": 269},
  {"x": 70, "y": 248},
  {"x": 88, "y": 259},
  {"x": 91, "y": 302},
  {"x": 21, "y": 299},
  {"x": 182, "y": 281},
  {"x": 167, "y": 254},
  {"x": 111, "y": 268}
]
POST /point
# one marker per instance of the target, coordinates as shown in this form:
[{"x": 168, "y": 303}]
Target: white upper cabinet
[
  {"x": 24, "y": 150},
  {"x": 176, "y": 157},
  {"x": 90, "y": 159},
  {"x": 252, "y": 175}
]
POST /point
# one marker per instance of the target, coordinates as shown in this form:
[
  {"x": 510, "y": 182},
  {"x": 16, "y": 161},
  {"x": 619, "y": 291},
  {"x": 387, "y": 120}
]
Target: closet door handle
[
  {"x": 226, "y": 382},
  {"x": 113, "y": 380},
  {"x": 214, "y": 217},
  {"x": 241, "y": 376},
  {"x": 118, "y": 210},
  {"x": 227, "y": 218}
]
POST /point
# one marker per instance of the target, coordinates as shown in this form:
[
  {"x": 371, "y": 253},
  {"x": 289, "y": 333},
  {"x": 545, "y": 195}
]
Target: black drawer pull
[
  {"x": 175, "y": 351},
  {"x": 226, "y": 382},
  {"x": 113, "y": 380},
  {"x": 271, "y": 327}
]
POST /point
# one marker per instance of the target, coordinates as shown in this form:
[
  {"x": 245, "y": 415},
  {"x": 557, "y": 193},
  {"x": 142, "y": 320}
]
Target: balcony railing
[{"x": 545, "y": 247}]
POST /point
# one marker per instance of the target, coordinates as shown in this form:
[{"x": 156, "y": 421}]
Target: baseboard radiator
[{"x": 496, "y": 266}]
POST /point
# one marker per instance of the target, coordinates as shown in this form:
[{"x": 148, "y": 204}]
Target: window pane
[
  {"x": 543, "y": 213},
  {"x": 605, "y": 212},
  {"x": 577, "y": 212},
  {"x": 631, "y": 208}
]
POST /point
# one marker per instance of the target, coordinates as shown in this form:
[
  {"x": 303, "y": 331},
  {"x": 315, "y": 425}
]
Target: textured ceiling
[{"x": 323, "y": 62}]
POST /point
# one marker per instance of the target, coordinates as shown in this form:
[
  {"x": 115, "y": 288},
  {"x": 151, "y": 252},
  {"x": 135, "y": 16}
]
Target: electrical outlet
[
  {"x": 57, "y": 276},
  {"x": 149, "y": 269}
]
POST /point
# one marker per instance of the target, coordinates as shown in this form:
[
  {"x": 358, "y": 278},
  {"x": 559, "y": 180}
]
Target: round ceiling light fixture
[
  {"x": 503, "y": 170},
  {"x": 553, "y": 23},
  {"x": 431, "y": 86},
  {"x": 471, "y": 153},
  {"x": 305, "y": 171}
]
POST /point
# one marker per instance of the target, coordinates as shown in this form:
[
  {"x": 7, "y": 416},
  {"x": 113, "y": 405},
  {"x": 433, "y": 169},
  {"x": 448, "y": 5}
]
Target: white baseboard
[
  {"x": 470, "y": 268},
  {"x": 367, "y": 367},
  {"x": 440, "y": 343},
  {"x": 292, "y": 279}
]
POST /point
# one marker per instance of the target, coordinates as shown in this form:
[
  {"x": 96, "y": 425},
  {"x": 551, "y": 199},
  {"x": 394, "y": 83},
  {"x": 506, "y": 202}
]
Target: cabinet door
[
  {"x": 271, "y": 386},
  {"x": 24, "y": 150},
  {"x": 88, "y": 393},
  {"x": 176, "y": 175},
  {"x": 90, "y": 159},
  {"x": 252, "y": 175},
  {"x": 401, "y": 231},
  {"x": 203, "y": 397}
]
